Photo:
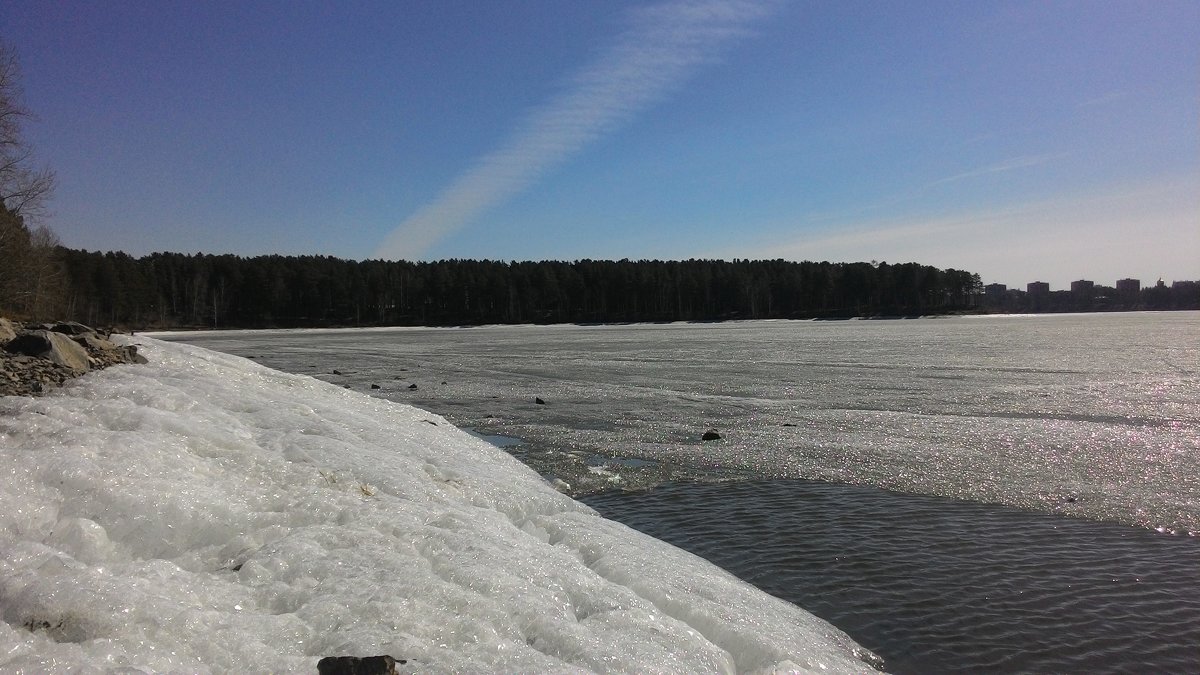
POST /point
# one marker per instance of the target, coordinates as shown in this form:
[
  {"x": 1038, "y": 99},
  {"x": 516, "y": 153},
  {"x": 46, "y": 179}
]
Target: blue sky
[{"x": 1021, "y": 140}]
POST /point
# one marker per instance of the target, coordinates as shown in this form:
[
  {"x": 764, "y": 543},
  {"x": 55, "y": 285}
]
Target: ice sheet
[{"x": 207, "y": 514}]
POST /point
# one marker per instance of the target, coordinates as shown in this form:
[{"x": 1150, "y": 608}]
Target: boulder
[
  {"x": 92, "y": 342},
  {"x": 55, "y": 347},
  {"x": 71, "y": 328},
  {"x": 34, "y": 360},
  {"x": 711, "y": 435},
  {"x": 7, "y": 331},
  {"x": 357, "y": 665},
  {"x": 538, "y": 401}
]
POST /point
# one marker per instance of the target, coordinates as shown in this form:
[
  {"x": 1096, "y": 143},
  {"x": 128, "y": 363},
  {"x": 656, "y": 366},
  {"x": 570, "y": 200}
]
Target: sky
[{"x": 1024, "y": 141}]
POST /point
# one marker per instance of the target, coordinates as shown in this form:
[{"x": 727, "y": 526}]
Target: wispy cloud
[
  {"x": 1007, "y": 165},
  {"x": 663, "y": 45}
]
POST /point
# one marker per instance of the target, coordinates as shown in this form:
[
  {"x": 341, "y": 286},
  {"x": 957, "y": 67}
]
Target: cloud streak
[
  {"x": 663, "y": 45},
  {"x": 1009, "y": 165}
]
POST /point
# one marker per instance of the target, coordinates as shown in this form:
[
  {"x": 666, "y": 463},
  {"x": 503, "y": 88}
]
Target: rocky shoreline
[{"x": 36, "y": 357}]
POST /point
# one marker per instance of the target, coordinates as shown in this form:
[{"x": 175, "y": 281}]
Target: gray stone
[
  {"x": 36, "y": 360},
  {"x": 91, "y": 341},
  {"x": 71, "y": 328},
  {"x": 129, "y": 355},
  {"x": 7, "y": 331},
  {"x": 54, "y": 347}
]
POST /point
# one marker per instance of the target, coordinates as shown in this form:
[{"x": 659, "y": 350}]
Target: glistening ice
[{"x": 207, "y": 514}]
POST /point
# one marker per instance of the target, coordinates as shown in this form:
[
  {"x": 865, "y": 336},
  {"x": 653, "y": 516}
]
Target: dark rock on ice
[
  {"x": 358, "y": 665},
  {"x": 711, "y": 435},
  {"x": 374, "y": 386},
  {"x": 129, "y": 353},
  {"x": 412, "y": 386},
  {"x": 539, "y": 401},
  {"x": 336, "y": 371}
]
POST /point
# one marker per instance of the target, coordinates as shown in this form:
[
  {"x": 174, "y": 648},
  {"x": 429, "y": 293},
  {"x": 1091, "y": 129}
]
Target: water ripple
[{"x": 936, "y": 585}]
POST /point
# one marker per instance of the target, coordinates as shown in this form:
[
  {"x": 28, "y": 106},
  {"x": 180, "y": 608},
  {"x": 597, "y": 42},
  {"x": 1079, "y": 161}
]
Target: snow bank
[{"x": 206, "y": 514}]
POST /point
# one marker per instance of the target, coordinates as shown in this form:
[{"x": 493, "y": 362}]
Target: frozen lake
[{"x": 1096, "y": 417}]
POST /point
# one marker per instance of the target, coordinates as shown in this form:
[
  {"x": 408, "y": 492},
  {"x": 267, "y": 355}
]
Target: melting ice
[{"x": 206, "y": 514}]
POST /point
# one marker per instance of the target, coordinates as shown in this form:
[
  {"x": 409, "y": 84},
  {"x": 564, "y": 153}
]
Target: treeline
[
  {"x": 226, "y": 291},
  {"x": 32, "y": 278}
]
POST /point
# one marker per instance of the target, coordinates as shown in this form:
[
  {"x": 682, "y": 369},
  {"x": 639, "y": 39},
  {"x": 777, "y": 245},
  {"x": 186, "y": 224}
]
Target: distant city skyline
[{"x": 1025, "y": 141}]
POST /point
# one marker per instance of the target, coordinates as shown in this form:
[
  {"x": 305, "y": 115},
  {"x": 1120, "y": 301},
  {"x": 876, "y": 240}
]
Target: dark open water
[{"x": 936, "y": 585}]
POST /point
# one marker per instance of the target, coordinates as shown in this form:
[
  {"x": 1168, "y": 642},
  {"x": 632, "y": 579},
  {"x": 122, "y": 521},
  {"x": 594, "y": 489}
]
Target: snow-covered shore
[{"x": 206, "y": 514}]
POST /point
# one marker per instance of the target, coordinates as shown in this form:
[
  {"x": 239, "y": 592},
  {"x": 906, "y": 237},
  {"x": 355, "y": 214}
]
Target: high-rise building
[
  {"x": 1129, "y": 285},
  {"x": 1037, "y": 288},
  {"x": 1083, "y": 286}
]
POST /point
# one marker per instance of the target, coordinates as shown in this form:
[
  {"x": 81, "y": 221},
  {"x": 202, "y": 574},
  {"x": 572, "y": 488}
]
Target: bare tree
[
  {"x": 24, "y": 188},
  {"x": 31, "y": 274}
]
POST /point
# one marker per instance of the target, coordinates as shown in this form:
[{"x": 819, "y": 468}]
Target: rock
[
  {"x": 71, "y": 328},
  {"x": 129, "y": 353},
  {"x": 788, "y": 424},
  {"x": 91, "y": 341},
  {"x": 412, "y": 386},
  {"x": 337, "y": 372},
  {"x": 711, "y": 435},
  {"x": 54, "y": 347},
  {"x": 538, "y": 401},
  {"x": 374, "y": 386},
  {"x": 7, "y": 331},
  {"x": 358, "y": 665},
  {"x": 36, "y": 359}
]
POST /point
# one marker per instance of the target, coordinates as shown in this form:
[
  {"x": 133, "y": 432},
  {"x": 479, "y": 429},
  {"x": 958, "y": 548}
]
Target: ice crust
[{"x": 206, "y": 514}]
